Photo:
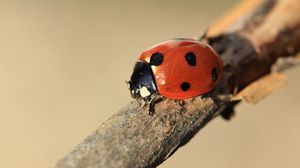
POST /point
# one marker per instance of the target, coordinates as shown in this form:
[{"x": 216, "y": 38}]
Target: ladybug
[{"x": 176, "y": 69}]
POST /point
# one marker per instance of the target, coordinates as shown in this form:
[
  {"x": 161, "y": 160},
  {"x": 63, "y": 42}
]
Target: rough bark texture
[{"x": 248, "y": 47}]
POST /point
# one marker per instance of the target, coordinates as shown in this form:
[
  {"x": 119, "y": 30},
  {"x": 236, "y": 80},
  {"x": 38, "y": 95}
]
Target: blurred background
[{"x": 63, "y": 67}]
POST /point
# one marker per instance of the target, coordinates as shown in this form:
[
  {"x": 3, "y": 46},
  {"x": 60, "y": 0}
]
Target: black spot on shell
[
  {"x": 214, "y": 74},
  {"x": 190, "y": 57},
  {"x": 156, "y": 59},
  {"x": 185, "y": 86}
]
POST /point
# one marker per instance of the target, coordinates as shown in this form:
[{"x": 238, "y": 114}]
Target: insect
[{"x": 175, "y": 69}]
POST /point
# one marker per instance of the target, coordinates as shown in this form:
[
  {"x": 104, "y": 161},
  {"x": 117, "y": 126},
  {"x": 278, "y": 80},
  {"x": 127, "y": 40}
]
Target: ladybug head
[{"x": 142, "y": 83}]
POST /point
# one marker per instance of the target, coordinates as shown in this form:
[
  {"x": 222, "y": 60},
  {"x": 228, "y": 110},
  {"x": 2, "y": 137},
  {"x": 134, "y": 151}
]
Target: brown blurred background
[{"x": 63, "y": 67}]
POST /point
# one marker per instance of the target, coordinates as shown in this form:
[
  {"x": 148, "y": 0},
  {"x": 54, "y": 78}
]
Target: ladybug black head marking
[{"x": 142, "y": 84}]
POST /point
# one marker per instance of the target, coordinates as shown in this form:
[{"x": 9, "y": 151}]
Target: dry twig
[{"x": 248, "y": 46}]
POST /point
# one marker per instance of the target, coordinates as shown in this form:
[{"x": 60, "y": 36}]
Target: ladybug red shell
[{"x": 176, "y": 69}]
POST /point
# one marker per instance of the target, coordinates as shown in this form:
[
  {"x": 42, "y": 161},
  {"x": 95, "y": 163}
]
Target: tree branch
[{"x": 248, "y": 47}]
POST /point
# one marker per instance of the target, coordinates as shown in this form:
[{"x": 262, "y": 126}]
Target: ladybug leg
[
  {"x": 181, "y": 103},
  {"x": 142, "y": 103},
  {"x": 151, "y": 109},
  {"x": 139, "y": 102},
  {"x": 155, "y": 99}
]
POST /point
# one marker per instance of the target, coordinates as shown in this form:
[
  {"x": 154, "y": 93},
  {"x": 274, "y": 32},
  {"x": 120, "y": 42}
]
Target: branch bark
[{"x": 248, "y": 46}]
